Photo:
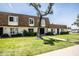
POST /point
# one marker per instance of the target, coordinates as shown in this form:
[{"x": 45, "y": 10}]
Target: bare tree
[{"x": 41, "y": 14}]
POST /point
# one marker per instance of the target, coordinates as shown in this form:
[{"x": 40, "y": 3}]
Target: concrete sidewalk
[{"x": 70, "y": 51}]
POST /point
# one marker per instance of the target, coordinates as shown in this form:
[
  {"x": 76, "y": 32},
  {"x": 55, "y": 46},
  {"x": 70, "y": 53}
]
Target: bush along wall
[
  {"x": 49, "y": 33},
  {"x": 25, "y": 33},
  {"x": 64, "y": 33},
  {"x": 31, "y": 34},
  {"x": 17, "y": 35},
  {"x": 5, "y": 36}
]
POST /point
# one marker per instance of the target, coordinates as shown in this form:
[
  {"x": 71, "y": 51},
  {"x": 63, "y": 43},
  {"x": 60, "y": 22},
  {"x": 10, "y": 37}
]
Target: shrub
[
  {"x": 25, "y": 33},
  {"x": 17, "y": 35},
  {"x": 64, "y": 33},
  {"x": 35, "y": 33},
  {"x": 49, "y": 33},
  {"x": 31, "y": 34},
  {"x": 4, "y": 35}
]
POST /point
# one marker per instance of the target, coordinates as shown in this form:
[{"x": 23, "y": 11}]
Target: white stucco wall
[
  {"x": 59, "y": 30},
  {"x": 6, "y": 30},
  {"x": 20, "y": 29},
  {"x": 49, "y": 29},
  {"x": 55, "y": 30},
  {"x": 46, "y": 30},
  {"x": 12, "y": 23}
]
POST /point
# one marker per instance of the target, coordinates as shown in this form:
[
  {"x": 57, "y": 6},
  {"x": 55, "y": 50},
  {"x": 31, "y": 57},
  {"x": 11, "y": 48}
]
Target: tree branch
[
  {"x": 36, "y": 7},
  {"x": 49, "y": 9}
]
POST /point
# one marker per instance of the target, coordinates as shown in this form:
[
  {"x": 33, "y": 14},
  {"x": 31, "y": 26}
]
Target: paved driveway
[{"x": 70, "y": 51}]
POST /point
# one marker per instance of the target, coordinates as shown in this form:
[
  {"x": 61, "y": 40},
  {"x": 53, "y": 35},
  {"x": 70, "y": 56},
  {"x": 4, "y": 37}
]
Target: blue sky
[{"x": 64, "y": 13}]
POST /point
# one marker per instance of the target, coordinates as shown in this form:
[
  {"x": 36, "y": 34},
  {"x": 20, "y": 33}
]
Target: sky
[{"x": 63, "y": 13}]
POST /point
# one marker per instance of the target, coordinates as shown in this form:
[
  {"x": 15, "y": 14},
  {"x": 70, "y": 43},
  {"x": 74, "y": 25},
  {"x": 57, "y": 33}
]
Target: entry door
[
  {"x": 57, "y": 31},
  {"x": 1, "y": 31},
  {"x": 52, "y": 30},
  {"x": 41, "y": 30}
]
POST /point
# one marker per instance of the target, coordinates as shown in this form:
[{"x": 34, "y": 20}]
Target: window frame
[
  {"x": 13, "y": 31},
  {"x": 31, "y": 20},
  {"x": 30, "y": 30},
  {"x": 43, "y": 22},
  {"x": 14, "y": 19},
  {"x": 11, "y": 20}
]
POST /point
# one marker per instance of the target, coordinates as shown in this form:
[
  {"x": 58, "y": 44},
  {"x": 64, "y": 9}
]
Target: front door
[
  {"x": 57, "y": 31},
  {"x": 52, "y": 30},
  {"x": 41, "y": 30},
  {"x": 1, "y": 31}
]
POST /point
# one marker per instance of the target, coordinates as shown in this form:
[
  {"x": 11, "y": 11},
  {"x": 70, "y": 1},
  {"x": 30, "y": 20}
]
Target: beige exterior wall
[
  {"x": 49, "y": 29},
  {"x": 20, "y": 29},
  {"x": 54, "y": 30},
  {"x": 6, "y": 30},
  {"x": 60, "y": 30},
  {"x": 46, "y": 30}
]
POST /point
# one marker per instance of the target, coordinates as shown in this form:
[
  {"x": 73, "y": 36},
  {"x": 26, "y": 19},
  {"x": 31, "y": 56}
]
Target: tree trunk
[{"x": 39, "y": 26}]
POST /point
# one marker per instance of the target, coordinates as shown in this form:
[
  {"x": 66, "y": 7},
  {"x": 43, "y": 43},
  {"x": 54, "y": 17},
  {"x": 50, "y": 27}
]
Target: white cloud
[{"x": 10, "y": 5}]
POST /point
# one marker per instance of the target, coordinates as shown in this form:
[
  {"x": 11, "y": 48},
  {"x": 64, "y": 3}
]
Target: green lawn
[
  {"x": 25, "y": 46},
  {"x": 71, "y": 37}
]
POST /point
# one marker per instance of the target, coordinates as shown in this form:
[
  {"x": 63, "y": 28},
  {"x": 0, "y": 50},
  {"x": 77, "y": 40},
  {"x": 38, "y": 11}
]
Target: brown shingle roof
[
  {"x": 57, "y": 26},
  {"x": 23, "y": 19}
]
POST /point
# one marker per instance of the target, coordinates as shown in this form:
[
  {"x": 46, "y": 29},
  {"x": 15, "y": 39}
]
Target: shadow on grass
[
  {"x": 76, "y": 42},
  {"x": 50, "y": 41}
]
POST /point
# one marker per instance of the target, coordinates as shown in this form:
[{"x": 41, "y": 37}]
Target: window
[
  {"x": 16, "y": 30},
  {"x": 31, "y": 21},
  {"x": 30, "y": 30},
  {"x": 13, "y": 31},
  {"x": 11, "y": 19},
  {"x": 43, "y": 22}
]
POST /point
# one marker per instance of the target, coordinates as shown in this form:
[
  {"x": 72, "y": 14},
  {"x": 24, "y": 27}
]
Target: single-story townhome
[
  {"x": 12, "y": 23},
  {"x": 57, "y": 28}
]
